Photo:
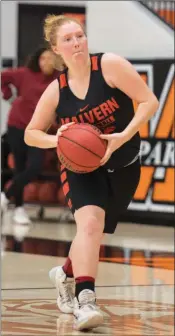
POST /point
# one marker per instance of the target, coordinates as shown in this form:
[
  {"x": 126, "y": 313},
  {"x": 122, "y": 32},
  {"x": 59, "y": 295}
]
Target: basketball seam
[
  {"x": 82, "y": 145},
  {"x": 75, "y": 162},
  {"x": 95, "y": 128}
]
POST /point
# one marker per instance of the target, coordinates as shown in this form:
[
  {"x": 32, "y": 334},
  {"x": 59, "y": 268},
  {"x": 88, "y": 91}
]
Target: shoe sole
[{"x": 89, "y": 323}]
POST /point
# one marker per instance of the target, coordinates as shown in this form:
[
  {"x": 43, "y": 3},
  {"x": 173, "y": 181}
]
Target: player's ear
[{"x": 55, "y": 50}]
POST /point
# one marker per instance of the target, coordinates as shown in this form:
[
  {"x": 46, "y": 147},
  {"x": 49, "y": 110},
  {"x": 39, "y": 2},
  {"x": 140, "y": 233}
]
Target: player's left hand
[{"x": 115, "y": 141}]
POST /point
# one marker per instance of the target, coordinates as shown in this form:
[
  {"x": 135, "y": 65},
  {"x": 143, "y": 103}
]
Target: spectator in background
[{"x": 30, "y": 82}]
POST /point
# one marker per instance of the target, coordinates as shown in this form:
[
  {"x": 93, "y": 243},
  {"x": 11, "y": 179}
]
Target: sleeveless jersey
[{"x": 107, "y": 108}]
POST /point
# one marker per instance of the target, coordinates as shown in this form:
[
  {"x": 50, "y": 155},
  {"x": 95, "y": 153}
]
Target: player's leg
[
  {"x": 32, "y": 163},
  {"x": 90, "y": 224},
  {"x": 87, "y": 196},
  {"x": 85, "y": 258},
  {"x": 18, "y": 149}
]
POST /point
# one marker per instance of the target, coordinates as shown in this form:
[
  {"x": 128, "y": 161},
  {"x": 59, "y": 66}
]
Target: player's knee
[{"x": 93, "y": 227}]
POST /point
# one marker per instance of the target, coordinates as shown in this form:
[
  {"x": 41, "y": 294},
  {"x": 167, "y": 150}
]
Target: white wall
[
  {"x": 57, "y": 2},
  {"x": 117, "y": 26},
  {"x": 5, "y": 106},
  {"x": 9, "y": 23},
  {"x": 128, "y": 29}
]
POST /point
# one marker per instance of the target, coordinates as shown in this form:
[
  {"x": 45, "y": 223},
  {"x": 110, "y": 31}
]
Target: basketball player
[{"x": 97, "y": 89}]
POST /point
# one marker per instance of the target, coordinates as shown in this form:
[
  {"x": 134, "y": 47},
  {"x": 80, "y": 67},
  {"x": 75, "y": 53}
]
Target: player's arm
[
  {"x": 121, "y": 74},
  {"x": 44, "y": 115}
]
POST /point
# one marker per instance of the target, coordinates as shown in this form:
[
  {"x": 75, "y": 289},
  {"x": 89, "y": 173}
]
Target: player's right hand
[{"x": 63, "y": 128}]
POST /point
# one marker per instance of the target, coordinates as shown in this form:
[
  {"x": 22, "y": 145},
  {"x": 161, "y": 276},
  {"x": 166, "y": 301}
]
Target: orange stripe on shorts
[
  {"x": 63, "y": 176},
  {"x": 69, "y": 203},
  {"x": 66, "y": 188}
]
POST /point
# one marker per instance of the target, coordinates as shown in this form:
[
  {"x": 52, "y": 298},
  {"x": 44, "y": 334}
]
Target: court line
[{"x": 112, "y": 286}]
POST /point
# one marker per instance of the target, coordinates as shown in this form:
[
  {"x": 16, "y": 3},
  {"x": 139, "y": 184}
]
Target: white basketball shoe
[
  {"x": 65, "y": 289},
  {"x": 86, "y": 312}
]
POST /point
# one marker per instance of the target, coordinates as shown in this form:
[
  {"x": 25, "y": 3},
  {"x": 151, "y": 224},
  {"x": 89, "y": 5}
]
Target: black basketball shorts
[{"x": 110, "y": 189}]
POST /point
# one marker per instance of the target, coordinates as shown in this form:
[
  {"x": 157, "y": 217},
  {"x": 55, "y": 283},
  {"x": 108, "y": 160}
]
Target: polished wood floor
[{"x": 135, "y": 283}]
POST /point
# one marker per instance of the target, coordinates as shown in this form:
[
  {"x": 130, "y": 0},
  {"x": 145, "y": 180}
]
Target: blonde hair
[{"x": 51, "y": 24}]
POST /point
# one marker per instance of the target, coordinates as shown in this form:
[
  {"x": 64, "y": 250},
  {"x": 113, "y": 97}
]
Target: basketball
[
  {"x": 31, "y": 192},
  {"x": 47, "y": 192},
  {"x": 80, "y": 149}
]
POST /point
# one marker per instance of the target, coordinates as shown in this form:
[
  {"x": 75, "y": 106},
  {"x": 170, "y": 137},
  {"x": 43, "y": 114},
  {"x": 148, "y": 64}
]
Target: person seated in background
[{"x": 30, "y": 81}]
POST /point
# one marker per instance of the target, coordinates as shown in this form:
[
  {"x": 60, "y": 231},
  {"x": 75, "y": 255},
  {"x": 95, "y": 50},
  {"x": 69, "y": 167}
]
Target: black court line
[{"x": 112, "y": 286}]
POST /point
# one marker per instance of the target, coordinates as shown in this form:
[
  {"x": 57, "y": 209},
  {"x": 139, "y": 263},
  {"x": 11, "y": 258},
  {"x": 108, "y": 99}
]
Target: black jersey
[{"x": 107, "y": 108}]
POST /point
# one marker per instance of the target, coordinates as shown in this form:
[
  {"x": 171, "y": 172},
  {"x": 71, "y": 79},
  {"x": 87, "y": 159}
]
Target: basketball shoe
[
  {"x": 86, "y": 312},
  {"x": 65, "y": 289}
]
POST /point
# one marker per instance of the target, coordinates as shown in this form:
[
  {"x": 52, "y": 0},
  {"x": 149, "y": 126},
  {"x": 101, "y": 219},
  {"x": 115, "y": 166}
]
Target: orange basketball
[
  {"x": 31, "y": 192},
  {"x": 47, "y": 192},
  {"x": 80, "y": 149}
]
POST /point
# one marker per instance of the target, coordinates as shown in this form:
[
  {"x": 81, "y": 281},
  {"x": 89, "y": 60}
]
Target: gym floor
[{"x": 135, "y": 283}]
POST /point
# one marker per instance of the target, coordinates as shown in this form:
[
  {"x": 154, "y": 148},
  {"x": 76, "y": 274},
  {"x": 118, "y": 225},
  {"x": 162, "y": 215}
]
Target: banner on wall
[
  {"x": 78, "y": 16},
  {"x": 155, "y": 193}
]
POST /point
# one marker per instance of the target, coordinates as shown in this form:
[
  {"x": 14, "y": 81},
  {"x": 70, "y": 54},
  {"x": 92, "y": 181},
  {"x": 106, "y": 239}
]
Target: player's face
[
  {"x": 46, "y": 62},
  {"x": 71, "y": 43}
]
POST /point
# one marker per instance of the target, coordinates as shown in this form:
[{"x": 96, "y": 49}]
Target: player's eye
[{"x": 67, "y": 39}]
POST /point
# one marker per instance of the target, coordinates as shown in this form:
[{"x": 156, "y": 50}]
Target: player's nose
[{"x": 76, "y": 42}]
